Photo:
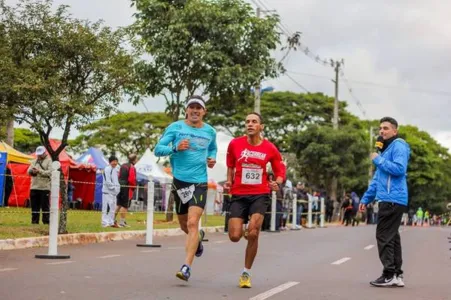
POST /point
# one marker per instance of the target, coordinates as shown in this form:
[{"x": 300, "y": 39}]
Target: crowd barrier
[{"x": 150, "y": 214}]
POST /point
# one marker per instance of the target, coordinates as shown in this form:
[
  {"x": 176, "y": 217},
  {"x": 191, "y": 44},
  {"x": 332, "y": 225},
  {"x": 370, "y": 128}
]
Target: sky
[{"x": 396, "y": 54}]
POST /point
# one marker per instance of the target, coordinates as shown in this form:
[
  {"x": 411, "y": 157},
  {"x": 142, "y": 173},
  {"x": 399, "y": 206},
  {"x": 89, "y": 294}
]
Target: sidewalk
[
  {"x": 89, "y": 238},
  {"x": 102, "y": 237}
]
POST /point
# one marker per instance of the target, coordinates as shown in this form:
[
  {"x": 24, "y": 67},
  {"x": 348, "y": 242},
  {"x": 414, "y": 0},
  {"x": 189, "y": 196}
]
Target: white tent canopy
[
  {"x": 219, "y": 172},
  {"x": 147, "y": 166}
]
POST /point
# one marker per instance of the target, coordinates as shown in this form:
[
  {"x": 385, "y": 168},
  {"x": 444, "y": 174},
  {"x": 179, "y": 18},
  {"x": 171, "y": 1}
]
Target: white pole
[
  {"x": 167, "y": 196},
  {"x": 54, "y": 208},
  {"x": 54, "y": 199},
  {"x": 309, "y": 215},
  {"x": 322, "y": 216},
  {"x": 273, "y": 211},
  {"x": 150, "y": 211},
  {"x": 294, "y": 213}
]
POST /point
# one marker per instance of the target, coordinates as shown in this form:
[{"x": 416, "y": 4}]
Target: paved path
[{"x": 331, "y": 263}]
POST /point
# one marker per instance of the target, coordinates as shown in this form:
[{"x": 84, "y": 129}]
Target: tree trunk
[
  {"x": 62, "y": 228},
  {"x": 10, "y": 132},
  {"x": 170, "y": 209}
]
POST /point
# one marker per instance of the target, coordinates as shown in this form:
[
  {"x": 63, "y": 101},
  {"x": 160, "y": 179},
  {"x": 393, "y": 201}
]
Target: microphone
[{"x": 379, "y": 144}]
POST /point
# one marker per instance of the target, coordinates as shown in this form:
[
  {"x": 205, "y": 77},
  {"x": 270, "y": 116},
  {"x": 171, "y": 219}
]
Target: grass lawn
[{"x": 16, "y": 222}]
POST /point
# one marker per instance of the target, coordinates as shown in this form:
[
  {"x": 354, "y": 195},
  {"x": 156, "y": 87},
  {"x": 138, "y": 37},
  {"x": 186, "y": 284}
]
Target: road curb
[{"x": 91, "y": 238}]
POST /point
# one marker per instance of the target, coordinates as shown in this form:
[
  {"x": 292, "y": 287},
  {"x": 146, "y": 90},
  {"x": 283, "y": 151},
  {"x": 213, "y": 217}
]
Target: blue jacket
[{"x": 389, "y": 183}]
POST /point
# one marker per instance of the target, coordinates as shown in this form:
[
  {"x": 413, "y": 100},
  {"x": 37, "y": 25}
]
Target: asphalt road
[{"x": 331, "y": 263}]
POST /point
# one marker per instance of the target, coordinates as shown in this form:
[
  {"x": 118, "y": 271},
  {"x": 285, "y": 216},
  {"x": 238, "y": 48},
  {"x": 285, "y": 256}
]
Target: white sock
[{"x": 248, "y": 271}]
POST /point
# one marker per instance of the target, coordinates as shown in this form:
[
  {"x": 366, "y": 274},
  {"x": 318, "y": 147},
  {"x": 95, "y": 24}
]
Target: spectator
[
  {"x": 426, "y": 217},
  {"x": 110, "y": 190},
  {"x": 420, "y": 214},
  {"x": 40, "y": 171},
  {"x": 127, "y": 180},
  {"x": 347, "y": 210},
  {"x": 329, "y": 209},
  {"x": 70, "y": 190},
  {"x": 301, "y": 196},
  {"x": 355, "y": 209},
  {"x": 9, "y": 183}
]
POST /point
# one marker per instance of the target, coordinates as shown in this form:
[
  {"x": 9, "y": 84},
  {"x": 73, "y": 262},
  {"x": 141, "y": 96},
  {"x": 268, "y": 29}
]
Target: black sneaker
[{"x": 385, "y": 281}]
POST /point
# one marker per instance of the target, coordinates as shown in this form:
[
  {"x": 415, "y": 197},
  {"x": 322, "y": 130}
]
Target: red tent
[{"x": 84, "y": 177}]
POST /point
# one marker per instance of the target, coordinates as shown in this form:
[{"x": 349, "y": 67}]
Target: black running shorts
[
  {"x": 244, "y": 206},
  {"x": 122, "y": 198},
  {"x": 188, "y": 194}
]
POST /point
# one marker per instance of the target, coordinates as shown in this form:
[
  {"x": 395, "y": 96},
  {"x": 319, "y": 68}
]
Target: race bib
[
  {"x": 252, "y": 176},
  {"x": 186, "y": 193}
]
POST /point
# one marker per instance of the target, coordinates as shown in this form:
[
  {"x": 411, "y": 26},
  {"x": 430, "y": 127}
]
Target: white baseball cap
[
  {"x": 195, "y": 100},
  {"x": 40, "y": 150}
]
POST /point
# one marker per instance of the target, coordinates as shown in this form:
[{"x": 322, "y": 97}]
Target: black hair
[
  {"x": 258, "y": 115},
  {"x": 390, "y": 120},
  {"x": 112, "y": 158}
]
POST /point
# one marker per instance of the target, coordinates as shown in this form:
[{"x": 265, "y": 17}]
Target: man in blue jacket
[{"x": 389, "y": 188}]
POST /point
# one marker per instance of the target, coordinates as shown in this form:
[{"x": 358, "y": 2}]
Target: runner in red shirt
[{"x": 247, "y": 158}]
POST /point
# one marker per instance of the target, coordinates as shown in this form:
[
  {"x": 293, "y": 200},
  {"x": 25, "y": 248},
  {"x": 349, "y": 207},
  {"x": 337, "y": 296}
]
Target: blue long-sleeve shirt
[{"x": 188, "y": 165}]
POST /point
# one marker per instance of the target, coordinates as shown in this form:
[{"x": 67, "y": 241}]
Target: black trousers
[
  {"x": 40, "y": 200},
  {"x": 388, "y": 238}
]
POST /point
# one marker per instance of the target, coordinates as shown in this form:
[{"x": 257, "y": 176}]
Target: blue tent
[
  {"x": 94, "y": 156},
  {"x": 2, "y": 175}
]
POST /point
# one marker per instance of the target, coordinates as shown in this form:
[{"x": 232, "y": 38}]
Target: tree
[
  {"x": 324, "y": 153},
  {"x": 26, "y": 140},
  {"x": 9, "y": 75},
  {"x": 283, "y": 113},
  {"x": 125, "y": 133},
  {"x": 429, "y": 172},
  {"x": 71, "y": 70},
  {"x": 216, "y": 48}
]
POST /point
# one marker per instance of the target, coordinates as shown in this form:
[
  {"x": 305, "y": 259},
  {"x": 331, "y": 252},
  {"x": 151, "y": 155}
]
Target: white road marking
[
  {"x": 340, "y": 261},
  {"x": 61, "y": 262},
  {"x": 88, "y": 277},
  {"x": 149, "y": 251},
  {"x": 274, "y": 291},
  {"x": 109, "y": 256},
  {"x": 219, "y": 242},
  {"x": 8, "y": 269},
  {"x": 369, "y": 247}
]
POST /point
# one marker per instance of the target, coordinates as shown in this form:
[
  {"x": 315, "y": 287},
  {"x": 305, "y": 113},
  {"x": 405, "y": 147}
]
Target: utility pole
[
  {"x": 337, "y": 65},
  {"x": 334, "y": 182},
  {"x": 257, "y": 92}
]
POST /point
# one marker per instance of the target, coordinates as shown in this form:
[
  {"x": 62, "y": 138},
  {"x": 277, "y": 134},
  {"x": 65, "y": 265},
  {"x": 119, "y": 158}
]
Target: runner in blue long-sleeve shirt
[{"x": 191, "y": 144}]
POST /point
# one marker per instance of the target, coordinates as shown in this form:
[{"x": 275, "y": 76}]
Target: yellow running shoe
[{"x": 245, "y": 280}]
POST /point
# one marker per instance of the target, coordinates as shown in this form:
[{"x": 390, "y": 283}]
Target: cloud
[{"x": 403, "y": 44}]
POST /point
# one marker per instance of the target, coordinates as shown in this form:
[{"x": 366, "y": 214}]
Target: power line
[
  {"x": 380, "y": 85},
  {"x": 358, "y": 102},
  {"x": 297, "y": 83}
]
